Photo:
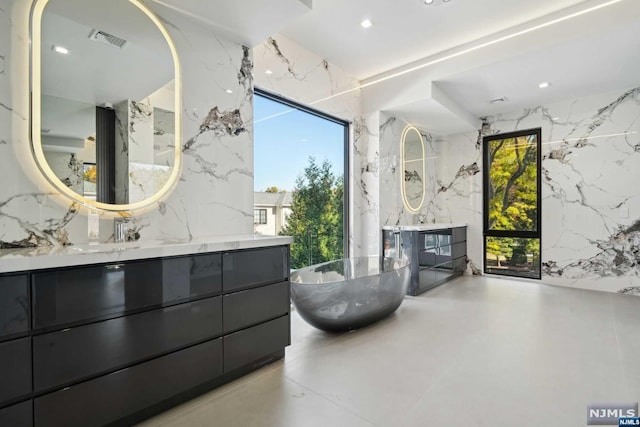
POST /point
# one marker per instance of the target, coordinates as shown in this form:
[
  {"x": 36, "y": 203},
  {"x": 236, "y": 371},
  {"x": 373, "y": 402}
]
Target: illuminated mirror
[
  {"x": 412, "y": 184},
  {"x": 105, "y": 88}
]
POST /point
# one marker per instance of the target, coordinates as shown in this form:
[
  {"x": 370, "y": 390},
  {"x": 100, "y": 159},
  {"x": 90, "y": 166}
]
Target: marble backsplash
[{"x": 214, "y": 195}]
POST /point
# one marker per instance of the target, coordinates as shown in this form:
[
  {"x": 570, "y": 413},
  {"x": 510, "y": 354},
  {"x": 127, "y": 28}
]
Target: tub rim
[{"x": 406, "y": 264}]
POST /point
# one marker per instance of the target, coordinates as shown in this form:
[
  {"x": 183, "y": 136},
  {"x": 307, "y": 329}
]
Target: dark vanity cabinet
[
  {"x": 116, "y": 343},
  {"x": 436, "y": 255}
]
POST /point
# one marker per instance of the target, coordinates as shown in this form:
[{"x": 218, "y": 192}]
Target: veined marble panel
[
  {"x": 26, "y": 259},
  {"x": 287, "y": 69},
  {"x": 590, "y": 206},
  {"x": 215, "y": 193}
]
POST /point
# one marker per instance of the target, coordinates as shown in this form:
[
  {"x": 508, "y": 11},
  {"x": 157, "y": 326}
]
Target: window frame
[
  {"x": 526, "y": 234},
  {"x": 347, "y": 142},
  {"x": 260, "y": 211}
]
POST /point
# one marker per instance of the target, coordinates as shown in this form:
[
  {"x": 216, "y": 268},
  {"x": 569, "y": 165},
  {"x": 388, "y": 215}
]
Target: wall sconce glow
[
  {"x": 229, "y": 91},
  {"x": 544, "y": 85},
  {"x": 61, "y": 49},
  {"x": 268, "y": 72},
  {"x": 37, "y": 12},
  {"x": 366, "y": 23},
  {"x": 413, "y": 171}
]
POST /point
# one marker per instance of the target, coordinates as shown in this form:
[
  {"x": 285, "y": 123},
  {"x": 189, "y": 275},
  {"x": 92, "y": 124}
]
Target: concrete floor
[{"x": 477, "y": 351}]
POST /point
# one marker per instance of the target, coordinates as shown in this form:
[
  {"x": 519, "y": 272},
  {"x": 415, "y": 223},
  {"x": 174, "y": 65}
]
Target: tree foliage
[
  {"x": 513, "y": 196},
  {"x": 273, "y": 189},
  {"x": 316, "y": 221}
]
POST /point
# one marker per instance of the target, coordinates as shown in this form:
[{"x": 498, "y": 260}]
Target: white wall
[
  {"x": 590, "y": 200},
  {"x": 311, "y": 80},
  {"x": 214, "y": 194}
]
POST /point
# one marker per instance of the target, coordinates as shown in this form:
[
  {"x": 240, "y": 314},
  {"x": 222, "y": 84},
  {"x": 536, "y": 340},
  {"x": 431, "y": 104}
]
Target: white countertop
[
  {"x": 424, "y": 227},
  {"x": 63, "y": 256}
]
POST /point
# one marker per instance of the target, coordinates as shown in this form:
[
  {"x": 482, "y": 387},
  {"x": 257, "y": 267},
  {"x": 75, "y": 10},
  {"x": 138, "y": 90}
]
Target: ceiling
[
  {"x": 98, "y": 73},
  {"x": 439, "y": 66},
  {"x": 464, "y": 53}
]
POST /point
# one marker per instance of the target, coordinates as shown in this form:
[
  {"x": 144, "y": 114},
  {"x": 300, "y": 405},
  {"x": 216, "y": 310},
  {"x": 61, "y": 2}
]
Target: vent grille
[
  {"x": 498, "y": 100},
  {"x": 106, "y": 38}
]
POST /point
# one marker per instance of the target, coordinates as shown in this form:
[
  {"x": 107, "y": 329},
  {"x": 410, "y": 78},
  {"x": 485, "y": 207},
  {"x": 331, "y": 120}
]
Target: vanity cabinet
[
  {"x": 116, "y": 343},
  {"x": 437, "y": 253}
]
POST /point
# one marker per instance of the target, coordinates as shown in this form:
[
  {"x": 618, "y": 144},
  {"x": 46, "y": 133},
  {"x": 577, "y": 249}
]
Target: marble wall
[
  {"x": 214, "y": 195},
  {"x": 590, "y": 203},
  {"x": 285, "y": 68}
]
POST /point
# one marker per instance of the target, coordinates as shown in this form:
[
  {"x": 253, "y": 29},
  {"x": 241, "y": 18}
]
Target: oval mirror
[
  {"x": 105, "y": 101},
  {"x": 412, "y": 186}
]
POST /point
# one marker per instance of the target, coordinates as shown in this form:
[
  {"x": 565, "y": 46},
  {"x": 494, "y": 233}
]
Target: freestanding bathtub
[{"x": 349, "y": 293}]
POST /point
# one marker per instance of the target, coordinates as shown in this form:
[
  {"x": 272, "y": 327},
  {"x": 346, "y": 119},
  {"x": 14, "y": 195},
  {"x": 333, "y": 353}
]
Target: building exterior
[{"x": 270, "y": 211}]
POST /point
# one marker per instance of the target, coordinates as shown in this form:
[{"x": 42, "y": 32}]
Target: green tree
[
  {"x": 316, "y": 221},
  {"x": 513, "y": 196},
  {"x": 273, "y": 189}
]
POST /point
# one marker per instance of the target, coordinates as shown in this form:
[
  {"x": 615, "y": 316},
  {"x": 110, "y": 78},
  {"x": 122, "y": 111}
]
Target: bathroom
[{"x": 590, "y": 214}]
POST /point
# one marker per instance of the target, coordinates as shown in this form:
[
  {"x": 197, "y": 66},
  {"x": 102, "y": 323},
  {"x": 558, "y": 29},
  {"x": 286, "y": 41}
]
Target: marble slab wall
[
  {"x": 214, "y": 195},
  {"x": 285, "y": 68},
  {"x": 392, "y": 208},
  {"x": 590, "y": 200}
]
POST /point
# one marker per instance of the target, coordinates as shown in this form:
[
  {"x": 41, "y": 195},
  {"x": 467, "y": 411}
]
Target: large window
[
  {"x": 512, "y": 203},
  {"x": 300, "y": 171}
]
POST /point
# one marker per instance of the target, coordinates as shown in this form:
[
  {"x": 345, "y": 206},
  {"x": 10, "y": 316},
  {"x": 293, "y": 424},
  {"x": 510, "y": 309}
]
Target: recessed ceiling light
[
  {"x": 268, "y": 72},
  {"x": 428, "y": 1},
  {"x": 60, "y": 49},
  {"x": 544, "y": 85},
  {"x": 366, "y": 23},
  {"x": 229, "y": 91}
]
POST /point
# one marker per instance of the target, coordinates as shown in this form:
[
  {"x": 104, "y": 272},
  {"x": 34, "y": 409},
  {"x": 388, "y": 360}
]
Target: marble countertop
[
  {"x": 424, "y": 227},
  {"x": 63, "y": 256}
]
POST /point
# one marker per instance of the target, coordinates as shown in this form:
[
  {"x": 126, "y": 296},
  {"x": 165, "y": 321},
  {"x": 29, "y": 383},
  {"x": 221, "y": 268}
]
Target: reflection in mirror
[
  {"x": 105, "y": 97},
  {"x": 413, "y": 185}
]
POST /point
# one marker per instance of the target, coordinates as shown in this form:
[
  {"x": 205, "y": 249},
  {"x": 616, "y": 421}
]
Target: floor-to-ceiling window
[
  {"x": 512, "y": 203},
  {"x": 300, "y": 177}
]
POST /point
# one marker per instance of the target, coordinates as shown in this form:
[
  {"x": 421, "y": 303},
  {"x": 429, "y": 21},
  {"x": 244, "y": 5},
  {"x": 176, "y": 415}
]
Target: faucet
[{"x": 120, "y": 228}]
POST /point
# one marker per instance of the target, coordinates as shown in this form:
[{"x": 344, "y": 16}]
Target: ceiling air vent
[
  {"x": 106, "y": 38},
  {"x": 499, "y": 100}
]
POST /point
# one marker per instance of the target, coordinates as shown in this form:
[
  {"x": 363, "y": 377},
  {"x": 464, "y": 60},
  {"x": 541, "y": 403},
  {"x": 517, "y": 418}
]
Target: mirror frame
[
  {"x": 403, "y": 191},
  {"x": 37, "y": 10}
]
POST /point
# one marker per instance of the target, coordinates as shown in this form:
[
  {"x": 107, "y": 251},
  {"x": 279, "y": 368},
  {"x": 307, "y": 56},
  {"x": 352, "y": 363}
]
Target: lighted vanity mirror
[
  {"x": 412, "y": 185},
  {"x": 105, "y": 101}
]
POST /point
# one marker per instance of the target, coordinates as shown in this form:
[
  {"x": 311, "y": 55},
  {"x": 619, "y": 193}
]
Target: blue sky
[{"x": 284, "y": 142}]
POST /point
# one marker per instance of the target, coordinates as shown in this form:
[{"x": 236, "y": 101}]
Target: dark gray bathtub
[{"x": 349, "y": 293}]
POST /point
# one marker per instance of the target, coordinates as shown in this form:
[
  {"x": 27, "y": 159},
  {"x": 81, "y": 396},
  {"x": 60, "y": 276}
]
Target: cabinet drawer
[
  {"x": 91, "y": 293},
  {"x": 458, "y": 250},
  {"x": 459, "y": 234},
  {"x": 14, "y": 305},
  {"x": 246, "y": 308},
  {"x": 76, "y": 353},
  {"x": 107, "y": 399},
  {"x": 15, "y": 369},
  {"x": 244, "y": 347},
  {"x": 254, "y": 267},
  {"x": 18, "y": 415}
]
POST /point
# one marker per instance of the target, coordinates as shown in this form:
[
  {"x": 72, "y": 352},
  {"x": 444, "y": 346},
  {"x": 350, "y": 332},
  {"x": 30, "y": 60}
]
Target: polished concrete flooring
[{"x": 477, "y": 351}]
